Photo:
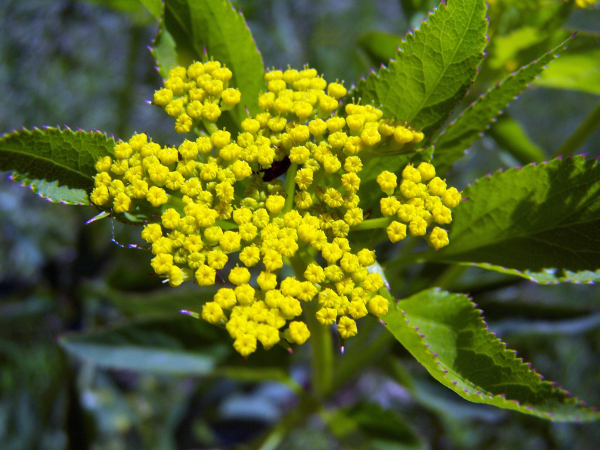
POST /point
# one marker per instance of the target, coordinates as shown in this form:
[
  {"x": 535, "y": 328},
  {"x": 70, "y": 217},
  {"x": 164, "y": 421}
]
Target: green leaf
[
  {"x": 181, "y": 345},
  {"x": 163, "y": 49},
  {"x": 434, "y": 69},
  {"x": 447, "y": 335},
  {"x": 215, "y": 25},
  {"x": 541, "y": 218},
  {"x": 154, "y": 6},
  {"x": 474, "y": 120},
  {"x": 381, "y": 47},
  {"x": 57, "y": 164},
  {"x": 509, "y": 135},
  {"x": 52, "y": 191},
  {"x": 548, "y": 276},
  {"x": 578, "y": 69}
]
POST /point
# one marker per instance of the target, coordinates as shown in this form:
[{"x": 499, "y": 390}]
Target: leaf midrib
[
  {"x": 446, "y": 66},
  {"x": 34, "y": 156}
]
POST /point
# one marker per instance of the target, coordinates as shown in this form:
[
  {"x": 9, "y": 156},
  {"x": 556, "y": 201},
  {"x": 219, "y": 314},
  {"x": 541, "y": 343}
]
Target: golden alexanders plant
[
  {"x": 204, "y": 223},
  {"x": 283, "y": 183}
]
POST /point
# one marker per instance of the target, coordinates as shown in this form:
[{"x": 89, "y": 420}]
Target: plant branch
[
  {"x": 372, "y": 224},
  {"x": 290, "y": 186},
  {"x": 581, "y": 134}
]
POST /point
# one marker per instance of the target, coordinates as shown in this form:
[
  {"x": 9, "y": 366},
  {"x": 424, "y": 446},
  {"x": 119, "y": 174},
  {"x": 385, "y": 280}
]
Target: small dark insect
[{"x": 277, "y": 169}]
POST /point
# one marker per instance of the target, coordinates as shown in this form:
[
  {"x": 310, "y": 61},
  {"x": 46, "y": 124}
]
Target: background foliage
[{"x": 57, "y": 276}]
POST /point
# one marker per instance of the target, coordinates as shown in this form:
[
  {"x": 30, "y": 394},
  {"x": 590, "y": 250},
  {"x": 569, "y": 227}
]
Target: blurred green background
[{"x": 86, "y": 65}]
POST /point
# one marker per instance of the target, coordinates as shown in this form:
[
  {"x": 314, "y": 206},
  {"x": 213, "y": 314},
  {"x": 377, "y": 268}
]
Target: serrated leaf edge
[
  {"x": 15, "y": 175},
  {"x": 499, "y": 84},
  {"x": 410, "y": 35},
  {"x": 478, "y": 396}
]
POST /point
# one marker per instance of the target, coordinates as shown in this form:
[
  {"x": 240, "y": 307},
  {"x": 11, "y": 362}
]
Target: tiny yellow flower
[
  {"x": 272, "y": 260},
  {"x": 151, "y": 233},
  {"x": 427, "y": 171},
  {"x": 389, "y": 206},
  {"x": 156, "y": 196},
  {"x": 436, "y": 186},
  {"x": 347, "y": 327},
  {"x": 205, "y": 275},
  {"x": 317, "y": 127},
  {"x": 336, "y": 90},
  {"x": 372, "y": 282},
  {"x": 239, "y": 275},
  {"x": 184, "y": 124},
  {"x": 162, "y": 263},
  {"x": 396, "y": 231},
  {"x": 387, "y": 181},
  {"x": 267, "y": 281},
  {"x": 225, "y": 298},
  {"x": 275, "y": 203},
  {"x": 412, "y": 174},
  {"x": 418, "y": 226},
  {"x": 216, "y": 259},
  {"x": 438, "y": 238},
  {"x": 121, "y": 203},
  {"x": 402, "y": 135},
  {"x": 163, "y": 97},
  {"x": 211, "y": 112},
  {"x": 244, "y": 294},
  {"x": 326, "y": 316},
  {"x": 250, "y": 256},
  {"x": 100, "y": 195},
  {"x": 299, "y": 332},
  {"x": 245, "y": 344},
  {"x": 378, "y": 305},
  {"x": 451, "y": 197}
]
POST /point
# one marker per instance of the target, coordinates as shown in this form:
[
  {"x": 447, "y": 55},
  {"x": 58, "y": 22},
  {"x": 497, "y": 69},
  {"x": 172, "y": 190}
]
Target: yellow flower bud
[
  {"x": 239, "y": 275},
  {"x": 347, "y": 327},
  {"x": 275, "y": 203},
  {"x": 245, "y": 344},
  {"x": 298, "y": 331},
  {"x": 336, "y": 90},
  {"x": 378, "y": 305},
  {"x": 396, "y": 231},
  {"x": 162, "y": 263}
]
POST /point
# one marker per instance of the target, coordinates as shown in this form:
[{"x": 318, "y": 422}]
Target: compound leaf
[
  {"x": 434, "y": 68},
  {"x": 474, "y": 120},
  {"x": 57, "y": 164},
  {"x": 447, "y": 335},
  {"x": 542, "y": 218}
]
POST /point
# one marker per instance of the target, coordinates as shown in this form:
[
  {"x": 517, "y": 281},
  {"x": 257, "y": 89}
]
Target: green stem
[
  {"x": 290, "y": 186},
  {"x": 372, "y": 224},
  {"x": 581, "y": 134},
  {"x": 322, "y": 354},
  {"x": 211, "y": 127},
  {"x": 320, "y": 338}
]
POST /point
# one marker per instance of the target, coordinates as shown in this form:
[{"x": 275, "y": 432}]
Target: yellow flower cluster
[
  {"x": 422, "y": 199},
  {"x": 225, "y": 216},
  {"x": 199, "y": 93}
]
